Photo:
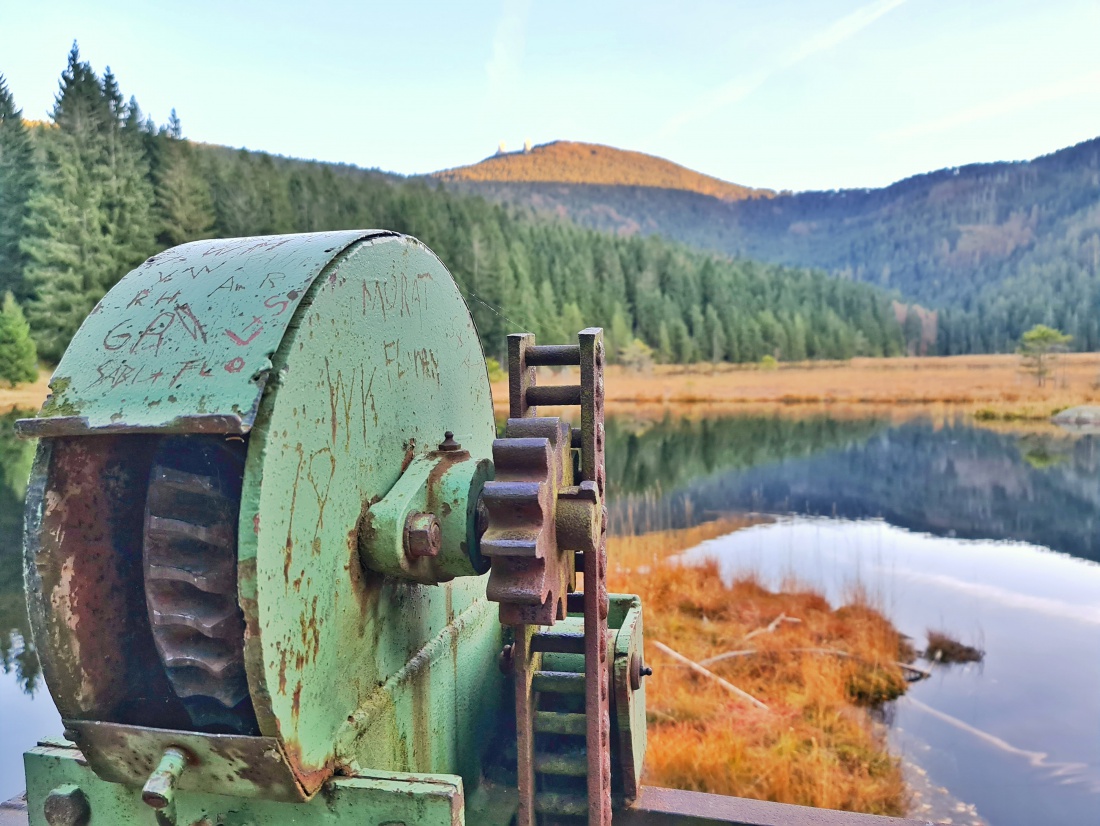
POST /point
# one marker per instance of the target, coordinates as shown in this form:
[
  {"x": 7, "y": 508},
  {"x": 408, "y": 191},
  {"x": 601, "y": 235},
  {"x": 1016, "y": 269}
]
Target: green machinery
[{"x": 281, "y": 570}]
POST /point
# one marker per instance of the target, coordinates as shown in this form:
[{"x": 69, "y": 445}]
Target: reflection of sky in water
[
  {"x": 24, "y": 720},
  {"x": 1018, "y": 735}
]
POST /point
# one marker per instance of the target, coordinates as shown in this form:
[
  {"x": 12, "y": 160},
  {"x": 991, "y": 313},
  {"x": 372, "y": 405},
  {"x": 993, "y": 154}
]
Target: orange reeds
[
  {"x": 817, "y": 668},
  {"x": 991, "y": 386}
]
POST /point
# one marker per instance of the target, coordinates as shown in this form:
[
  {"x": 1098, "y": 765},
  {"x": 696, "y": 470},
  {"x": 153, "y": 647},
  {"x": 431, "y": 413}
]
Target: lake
[{"x": 992, "y": 536}]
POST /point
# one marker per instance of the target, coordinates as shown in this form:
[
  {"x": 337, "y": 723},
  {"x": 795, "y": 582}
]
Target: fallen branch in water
[
  {"x": 771, "y": 626},
  {"x": 746, "y": 652},
  {"x": 698, "y": 669}
]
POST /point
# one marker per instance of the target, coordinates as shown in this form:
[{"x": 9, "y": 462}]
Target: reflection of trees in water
[
  {"x": 948, "y": 481},
  {"x": 16, "y": 651},
  {"x": 650, "y": 464}
]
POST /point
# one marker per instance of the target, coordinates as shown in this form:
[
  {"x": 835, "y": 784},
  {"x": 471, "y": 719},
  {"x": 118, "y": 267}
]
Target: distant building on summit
[
  {"x": 501, "y": 149},
  {"x": 527, "y": 146}
]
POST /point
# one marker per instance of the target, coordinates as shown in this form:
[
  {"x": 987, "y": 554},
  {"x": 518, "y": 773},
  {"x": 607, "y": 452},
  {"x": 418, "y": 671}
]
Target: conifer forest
[{"x": 99, "y": 187}]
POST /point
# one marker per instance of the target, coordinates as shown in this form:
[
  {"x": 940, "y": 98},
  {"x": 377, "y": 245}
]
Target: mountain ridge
[
  {"x": 576, "y": 162},
  {"x": 999, "y": 246}
]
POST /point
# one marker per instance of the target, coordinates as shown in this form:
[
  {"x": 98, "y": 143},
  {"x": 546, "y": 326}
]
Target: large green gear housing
[{"x": 328, "y": 367}]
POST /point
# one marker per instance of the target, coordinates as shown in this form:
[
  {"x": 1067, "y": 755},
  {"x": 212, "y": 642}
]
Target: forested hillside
[
  {"x": 995, "y": 248},
  {"x": 90, "y": 194}
]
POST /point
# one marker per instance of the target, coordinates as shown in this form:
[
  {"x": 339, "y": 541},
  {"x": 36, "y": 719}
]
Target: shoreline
[
  {"x": 801, "y": 728},
  {"x": 991, "y": 389}
]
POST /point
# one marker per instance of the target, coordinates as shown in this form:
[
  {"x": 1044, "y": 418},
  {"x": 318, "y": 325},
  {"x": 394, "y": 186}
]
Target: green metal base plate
[{"x": 374, "y": 799}]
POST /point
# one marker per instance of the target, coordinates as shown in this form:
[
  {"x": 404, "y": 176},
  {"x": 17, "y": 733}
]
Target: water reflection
[
  {"x": 16, "y": 656},
  {"x": 1015, "y": 735},
  {"x": 953, "y": 480}
]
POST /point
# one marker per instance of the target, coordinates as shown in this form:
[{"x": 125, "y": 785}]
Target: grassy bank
[
  {"x": 992, "y": 387},
  {"x": 815, "y": 668}
]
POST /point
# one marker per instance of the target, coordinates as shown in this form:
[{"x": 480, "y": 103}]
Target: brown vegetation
[
  {"x": 814, "y": 668},
  {"x": 25, "y": 396},
  {"x": 943, "y": 648},
  {"x": 591, "y": 163},
  {"x": 992, "y": 387}
]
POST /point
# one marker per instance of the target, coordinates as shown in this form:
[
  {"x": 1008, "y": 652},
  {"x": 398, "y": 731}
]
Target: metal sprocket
[
  {"x": 543, "y": 521},
  {"x": 190, "y": 564}
]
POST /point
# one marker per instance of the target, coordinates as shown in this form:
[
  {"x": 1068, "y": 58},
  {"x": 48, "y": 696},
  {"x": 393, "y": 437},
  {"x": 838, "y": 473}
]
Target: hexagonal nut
[
  {"x": 423, "y": 536},
  {"x": 67, "y": 806}
]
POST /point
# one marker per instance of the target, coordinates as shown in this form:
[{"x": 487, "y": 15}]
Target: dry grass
[
  {"x": 28, "y": 396},
  {"x": 817, "y": 744},
  {"x": 991, "y": 386}
]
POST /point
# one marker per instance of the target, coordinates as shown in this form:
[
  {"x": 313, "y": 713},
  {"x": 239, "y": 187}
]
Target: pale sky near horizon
[{"x": 814, "y": 94}]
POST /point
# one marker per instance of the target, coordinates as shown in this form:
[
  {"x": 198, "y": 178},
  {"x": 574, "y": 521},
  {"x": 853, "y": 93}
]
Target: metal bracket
[{"x": 425, "y": 528}]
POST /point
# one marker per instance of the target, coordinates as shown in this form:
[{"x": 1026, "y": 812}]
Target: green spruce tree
[
  {"x": 185, "y": 208},
  {"x": 18, "y": 359},
  {"x": 90, "y": 215},
  {"x": 16, "y": 182}
]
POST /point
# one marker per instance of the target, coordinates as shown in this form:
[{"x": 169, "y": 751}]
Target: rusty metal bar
[
  {"x": 524, "y": 671},
  {"x": 80, "y": 426},
  {"x": 521, "y": 375},
  {"x": 597, "y": 700},
  {"x": 553, "y": 355},
  {"x": 592, "y": 425},
  {"x": 672, "y": 807},
  {"x": 554, "y": 395}
]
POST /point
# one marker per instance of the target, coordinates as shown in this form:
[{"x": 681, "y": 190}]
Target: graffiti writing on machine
[{"x": 203, "y": 317}]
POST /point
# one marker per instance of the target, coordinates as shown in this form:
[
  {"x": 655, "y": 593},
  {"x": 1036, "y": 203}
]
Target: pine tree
[
  {"x": 89, "y": 220},
  {"x": 185, "y": 208},
  {"x": 18, "y": 359},
  {"x": 16, "y": 182},
  {"x": 1039, "y": 348}
]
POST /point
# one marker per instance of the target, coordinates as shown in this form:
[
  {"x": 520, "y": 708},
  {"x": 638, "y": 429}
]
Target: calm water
[{"x": 992, "y": 536}]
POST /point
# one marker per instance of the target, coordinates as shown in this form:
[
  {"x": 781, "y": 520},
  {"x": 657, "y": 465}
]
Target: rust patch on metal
[
  {"x": 310, "y": 779},
  {"x": 90, "y": 618},
  {"x": 410, "y": 454},
  {"x": 253, "y": 767}
]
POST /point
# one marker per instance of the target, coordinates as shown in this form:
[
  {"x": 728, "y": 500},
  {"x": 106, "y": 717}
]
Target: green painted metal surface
[
  {"x": 189, "y": 334},
  {"x": 372, "y": 671},
  {"x": 446, "y": 484},
  {"x": 347, "y": 668},
  {"x": 625, "y": 614},
  {"x": 373, "y": 799},
  {"x": 226, "y": 764}
]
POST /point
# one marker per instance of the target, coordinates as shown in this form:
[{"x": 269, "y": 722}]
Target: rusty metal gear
[
  {"x": 531, "y": 574},
  {"x": 190, "y": 562},
  {"x": 546, "y": 516}
]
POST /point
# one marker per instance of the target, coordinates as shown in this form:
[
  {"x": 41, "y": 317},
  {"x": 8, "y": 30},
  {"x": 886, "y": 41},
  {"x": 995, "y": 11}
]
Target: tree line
[
  {"x": 91, "y": 193},
  {"x": 993, "y": 249}
]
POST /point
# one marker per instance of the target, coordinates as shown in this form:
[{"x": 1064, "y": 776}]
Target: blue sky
[{"x": 797, "y": 95}]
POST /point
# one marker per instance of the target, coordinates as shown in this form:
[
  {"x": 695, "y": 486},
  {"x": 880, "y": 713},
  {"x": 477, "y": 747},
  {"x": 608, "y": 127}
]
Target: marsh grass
[
  {"x": 991, "y": 387},
  {"x": 817, "y": 744}
]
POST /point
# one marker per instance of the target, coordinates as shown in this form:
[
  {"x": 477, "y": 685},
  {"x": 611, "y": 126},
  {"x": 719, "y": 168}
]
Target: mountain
[
  {"x": 995, "y": 247},
  {"x": 569, "y": 162}
]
